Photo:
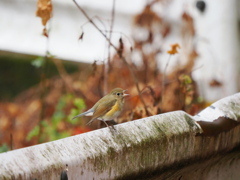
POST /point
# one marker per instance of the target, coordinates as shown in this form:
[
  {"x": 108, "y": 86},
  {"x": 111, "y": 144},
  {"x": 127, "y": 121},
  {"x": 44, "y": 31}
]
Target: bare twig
[
  {"x": 137, "y": 85},
  {"x": 97, "y": 18},
  {"x": 189, "y": 73},
  {"x": 92, "y": 18},
  {"x": 111, "y": 28},
  {"x": 123, "y": 35},
  {"x": 152, "y": 93},
  {"x": 119, "y": 54},
  {"x": 11, "y": 142},
  {"x": 163, "y": 80},
  {"x": 43, "y": 84},
  {"x": 91, "y": 21},
  {"x": 107, "y": 65}
]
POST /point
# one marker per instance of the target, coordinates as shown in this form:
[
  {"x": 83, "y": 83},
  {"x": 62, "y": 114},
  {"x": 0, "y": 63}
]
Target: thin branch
[
  {"x": 91, "y": 21},
  {"x": 122, "y": 34},
  {"x": 152, "y": 93},
  {"x": 43, "y": 85},
  {"x": 111, "y": 28},
  {"x": 99, "y": 19},
  {"x": 136, "y": 83},
  {"x": 107, "y": 65},
  {"x": 11, "y": 142}
]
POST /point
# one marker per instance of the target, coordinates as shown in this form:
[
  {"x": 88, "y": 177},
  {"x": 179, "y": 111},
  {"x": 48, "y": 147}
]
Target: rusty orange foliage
[
  {"x": 21, "y": 116},
  {"x": 215, "y": 83},
  {"x": 147, "y": 17},
  {"x": 44, "y": 10},
  {"x": 81, "y": 36},
  {"x": 45, "y": 33},
  {"x": 174, "y": 49}
]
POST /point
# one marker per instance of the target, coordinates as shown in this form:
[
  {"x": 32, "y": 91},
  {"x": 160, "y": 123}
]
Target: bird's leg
[
  {"x": 105, "y": 123},
  {"x": 113, "y": 123}
]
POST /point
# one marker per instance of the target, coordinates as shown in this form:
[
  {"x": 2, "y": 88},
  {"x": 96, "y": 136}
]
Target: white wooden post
[{"x": 216, "y": 40}]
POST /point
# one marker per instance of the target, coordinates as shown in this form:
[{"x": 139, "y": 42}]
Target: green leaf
[
  {"x": 4, "y": 148},
  {"x": 33, "y": 132},
  {"x": 50, "y": 130},
  {"x": 69, "y": 96},
  {"x": 61, "y": 103},
  {"x": 79, "y": 103},
  {"x": 44, "y": 123},
  {"x": 200, "y": 99},
  {"x": 188, "y": 79},
  {"x": 63, "y": 135},
  {"x": 57, "y": 117},
  {"x": 73, "y": 113},
  {"x": 38, "y": 62}
]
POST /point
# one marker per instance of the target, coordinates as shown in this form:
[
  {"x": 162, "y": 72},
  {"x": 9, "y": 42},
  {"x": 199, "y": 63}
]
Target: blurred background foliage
[
  {"x": 20, "y": 72},
  {"x": 39, "y": 95}
]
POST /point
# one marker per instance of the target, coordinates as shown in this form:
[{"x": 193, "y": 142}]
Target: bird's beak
[{"x": 125, "y": 94}]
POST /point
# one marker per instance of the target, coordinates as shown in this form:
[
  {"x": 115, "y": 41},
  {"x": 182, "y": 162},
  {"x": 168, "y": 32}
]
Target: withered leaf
[
  {"x": 45, "y": 33},
  {"x": 173, "y": 49},
  {"x": 81, "y": 36},
  {"x": 44, "y": 10},
  {"x": 121, "y": 47},
  {"x": 215, "y": 83}
]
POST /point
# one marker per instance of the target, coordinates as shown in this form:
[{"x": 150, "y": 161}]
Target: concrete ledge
[
  {"x": 132, "y": 149},
  {"x": 219, "y": 167}
]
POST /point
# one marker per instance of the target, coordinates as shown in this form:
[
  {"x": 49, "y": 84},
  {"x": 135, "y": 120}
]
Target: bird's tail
[{"x": 90, "y": 111}]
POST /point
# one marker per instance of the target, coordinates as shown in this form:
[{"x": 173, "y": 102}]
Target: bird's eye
[{"x": 118, "y": 94}]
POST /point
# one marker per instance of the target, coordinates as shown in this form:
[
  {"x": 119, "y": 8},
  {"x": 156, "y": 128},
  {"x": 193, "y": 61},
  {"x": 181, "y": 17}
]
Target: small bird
[{"x": 107, "y": 108}]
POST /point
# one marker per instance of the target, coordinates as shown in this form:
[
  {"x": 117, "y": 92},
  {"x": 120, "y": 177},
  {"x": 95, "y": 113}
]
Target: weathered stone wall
[{"x": 166, "y": 146}]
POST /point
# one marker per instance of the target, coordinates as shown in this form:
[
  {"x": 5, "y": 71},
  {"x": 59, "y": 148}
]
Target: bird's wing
[{"x": 106, "y": 105}]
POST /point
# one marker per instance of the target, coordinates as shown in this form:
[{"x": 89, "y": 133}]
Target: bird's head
[{"x": 119, "y": 93}]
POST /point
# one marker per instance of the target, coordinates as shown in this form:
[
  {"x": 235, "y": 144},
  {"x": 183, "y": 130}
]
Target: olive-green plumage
[{"x": 107, "y": 108}]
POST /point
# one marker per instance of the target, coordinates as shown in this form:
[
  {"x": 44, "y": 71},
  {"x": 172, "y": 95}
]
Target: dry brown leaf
[
  {"x": 81, "y": 36},
  {"x": 215, "y": 83},
  {"x": 174, "y": 49},
  {"x": 44, "y": 10},
  {"x": 45, "y": 33},
  {"x": 147, "y": 17},
  {"x": 21, "y": 116}
]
